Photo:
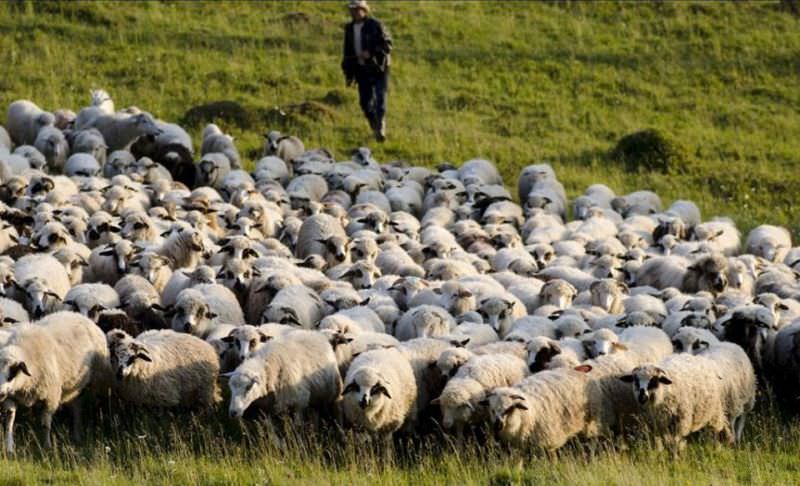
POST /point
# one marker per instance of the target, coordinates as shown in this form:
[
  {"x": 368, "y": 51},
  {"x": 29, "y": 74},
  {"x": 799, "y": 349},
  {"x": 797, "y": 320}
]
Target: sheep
[
  {"x": 680, "y": 395},
  {"x": 42, "y": 281},
  {"x": 109, "y": 263},
  {"x": 424, "y": 321},
  {"x": 183, "y": 247},
  {"x": 24, "y": 120},
  {"x": 12, "y": 312},
  {"x": 214, "y": 140},
  {"x": 693, "y": 340},
  {"x": 544, "y": 410},
  {"x": 47, "y": 365},
  {"x": 601, "y": 342},
  {"x": 91, "y": 299},
  {"x": 738, "y": 383},
  {"x": 120, "y": 130},
  {"x": 322, "y": 235},
  {"x": 295, "y": 305},
  {"x": 199, "y": 309},
  {"x": 769, "y": 242},
  {"x": 82, "y": 165},
  {"x": 720, "y": 234},
  {"x": 297, "y": 370},
  {"x": 501, "y": 312},
  {"x": 348, "y": 346},
  {"x": 380, "y": 393},
  {"x": 164, "y": 369},
  {"x": 213, "y": 169},
  {"x": 545, "y": 353},
  {"x": 459, "y": 401},
  {"x": 285, "y": 147},
  {"x": 90, "y": 142},
  {"x": 50, "y": 141}
]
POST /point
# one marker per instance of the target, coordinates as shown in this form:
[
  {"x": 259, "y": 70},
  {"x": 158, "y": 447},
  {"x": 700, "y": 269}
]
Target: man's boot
[{"x": 380, "y": 131}]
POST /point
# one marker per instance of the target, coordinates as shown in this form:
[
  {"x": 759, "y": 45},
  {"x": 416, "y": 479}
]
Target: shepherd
[{"x": 367, "y": 48}]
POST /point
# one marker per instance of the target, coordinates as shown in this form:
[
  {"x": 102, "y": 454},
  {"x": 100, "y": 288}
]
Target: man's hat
[{"x": 358, "y": 4}]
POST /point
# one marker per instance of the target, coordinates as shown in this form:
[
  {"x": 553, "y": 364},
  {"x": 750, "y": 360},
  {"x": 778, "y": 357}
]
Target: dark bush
[
  {"x": 650, "y": 150},
  {"x": 228, "y": 112}
]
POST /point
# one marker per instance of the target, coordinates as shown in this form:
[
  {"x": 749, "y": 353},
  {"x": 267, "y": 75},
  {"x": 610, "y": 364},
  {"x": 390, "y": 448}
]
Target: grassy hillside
[
  {"x": 516, "y": 83},
  {"x": 510, "y": 81}
]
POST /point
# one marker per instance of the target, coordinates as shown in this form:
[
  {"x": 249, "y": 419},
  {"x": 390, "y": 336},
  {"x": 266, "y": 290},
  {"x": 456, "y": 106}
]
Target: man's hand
[{"x": 349, "y": 82}]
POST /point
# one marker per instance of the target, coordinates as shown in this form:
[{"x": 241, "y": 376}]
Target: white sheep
[
  {"x": 297, "y": 370},
  {"x": 24, "y": 120},
  {"x": 680, "y": 395},
  {"x": 424, "y": 321},
  {"x": 462, "y": 394},
  {"x": 164, "y": 369},
  {"x": 544, "y": 410},
  {"x": 47, "y": 365},
  {"x": 380, "y": 392},
  {"x": 42, "y": 281},
  {"x": 769, "y": 242},
  {"x": 285, "y": 147},
  {"x": 199, "y": 309}
]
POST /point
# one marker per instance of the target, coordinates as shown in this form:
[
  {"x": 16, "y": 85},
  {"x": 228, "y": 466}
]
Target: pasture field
[{"x": 513, "y": 82}]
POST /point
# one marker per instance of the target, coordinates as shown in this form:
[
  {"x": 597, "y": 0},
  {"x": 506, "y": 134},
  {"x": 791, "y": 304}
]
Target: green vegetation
[
  {"x": 513, "y": 82},
  {"x": 521, "y": 83}
]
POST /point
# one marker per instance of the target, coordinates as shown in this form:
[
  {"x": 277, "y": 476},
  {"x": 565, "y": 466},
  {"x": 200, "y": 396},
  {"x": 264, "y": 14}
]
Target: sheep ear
[
  {"x": 382, "y": 389},
  {"x": 365, "y": 301},
  {"x": 484, "y": 402},
  {"x": 263, "y": 337},
  {"x": 17, "y": 368},
  {"x": 783, "y": 306},
  {"x": 108, "y": 252},
  {"x": 583, "y": 368},
  {"x": 521, "y": 406},
  {"x": 227, "y": 339},
  {"x": 460, "y": 343},
  {"x": 144, "y": 356},
  {"x": 436, "y": 401},
  {"x": 664, "y": 380},
  {"x": 352, "y": 387},
  {"x": 626, "y": 378},
  {"x": 619, "y": 346},
  {"x": 228, "y": 374},
  {"x": 517, "y": 397},
  {"x": 210, "y": 315},
  {"x": 249, "y": 253}
]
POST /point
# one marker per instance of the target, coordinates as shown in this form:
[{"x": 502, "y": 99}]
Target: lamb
[
  {"x": 164, "y": 369},
  {"x": 297, "y": 371},
  {"x": 81, "y": 165},
  {"x": 720, "y": 234},
  {"x": 380, "y": 393},
  {"x": 43, "y": 282},
  {"x": 24, "y": 120},
  {"x": 769, "y": 242},
  {"x": 199, "y": 309},
  {"x": 101, "y": 104},
  {"x": 183, "y": 247},
  {"x": 215, "y": 141},
  {"x": 424, "y": 321},
  {"x": 679, "y": 396},
  {"x": 461, "y": 396},
  {"x": 47, "y": 365},
  {"x": 286, "y": 147},
  {"x": 544, "y": 410},
  {"x": 109, "y": 263}
]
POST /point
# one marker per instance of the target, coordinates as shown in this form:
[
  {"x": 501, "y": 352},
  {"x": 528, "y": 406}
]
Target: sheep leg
[
  {"x": 12, "y": 415},
  {"x": 76, "y": 421},
  {"x": 739, "y": 427},
  {"x": 47, "y": 424}
]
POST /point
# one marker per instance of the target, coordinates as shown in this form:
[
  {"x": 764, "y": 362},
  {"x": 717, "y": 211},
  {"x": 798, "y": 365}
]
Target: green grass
[
  {"x": 518, "y": 84},
  {"x": 514, "y": 82}
]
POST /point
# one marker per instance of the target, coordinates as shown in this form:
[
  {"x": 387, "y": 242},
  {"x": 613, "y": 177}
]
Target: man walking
[{"x": 367, "y": 46}]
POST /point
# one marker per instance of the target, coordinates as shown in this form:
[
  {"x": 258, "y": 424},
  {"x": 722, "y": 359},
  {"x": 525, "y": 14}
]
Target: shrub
[{"x": 650, "y": 150}]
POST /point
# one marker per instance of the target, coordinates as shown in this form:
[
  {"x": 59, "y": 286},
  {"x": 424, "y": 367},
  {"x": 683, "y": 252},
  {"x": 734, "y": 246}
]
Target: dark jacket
[{"x": 376, "y": 40}]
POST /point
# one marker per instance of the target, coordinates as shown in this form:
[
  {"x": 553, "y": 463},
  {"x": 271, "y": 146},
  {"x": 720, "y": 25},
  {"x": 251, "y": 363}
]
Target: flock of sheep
[{"x": 378, "y": 295}]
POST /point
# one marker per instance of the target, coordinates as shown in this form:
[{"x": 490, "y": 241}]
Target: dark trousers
[{"x": 372, "y": 89}]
